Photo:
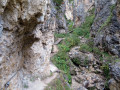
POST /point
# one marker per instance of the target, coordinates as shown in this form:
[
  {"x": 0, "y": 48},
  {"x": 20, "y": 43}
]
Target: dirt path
[{"x": 42, "y": 84}]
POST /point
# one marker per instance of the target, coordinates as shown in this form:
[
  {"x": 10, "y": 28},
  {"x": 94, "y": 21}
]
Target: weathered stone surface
[
  {"x": 80, "y": 11},
  {"x": 80, "y": 58},
  {"x": 26, "y": 41},
  {"x": 68, "y": 10},
  {"x": 106, "y": 27},
  {"x": 87, "y": 73}
]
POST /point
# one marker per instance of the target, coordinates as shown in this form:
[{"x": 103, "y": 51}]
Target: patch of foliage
[
  {"x": 76, "y": 61},
  {"x": 61, "y": 59},
  {"x": 84, "y": 30},
  {"x": 70, "y": 1},
  {"x": 106, "y": 70},
  {"x": 58, "y": 2},
  {"x": 60, "y": 35},
  {"x": 26, "y": 86},
  {"x": 72, "y": 40},
  {"x": 85, "y": 48},
  {"x": 70, "y": 25},
  {"x": 117, "y": 60},
  {"x": 58, "y": 84}
]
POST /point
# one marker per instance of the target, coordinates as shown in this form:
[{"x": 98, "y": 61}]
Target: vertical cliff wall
[
  {"x": 26, "y": 38},
  {"x": 106, "y": 27}
]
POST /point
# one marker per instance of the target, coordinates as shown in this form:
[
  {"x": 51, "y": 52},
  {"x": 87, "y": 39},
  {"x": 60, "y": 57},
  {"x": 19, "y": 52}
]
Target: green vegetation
[
  {"x": 61, "y": 35},
  {"x": 91, "y": 48},
  {"x": 26, "y": 86},
  {"x": 79, "y": 62},
  {"x": 58, "y": 84},
  {"x": 70, "y": 25},
  {"x": 84, "y": 30},
  {"x": 61, "y": 59},
  {"x": 70, "y": 1},
  {"x": 86, "y": 61},
  {"x": 58, "y": 2},
  {"x": 106, "y": 71},
  {"x": 117, "y": 60},
  {"x": 85, "y": 48},
  {"x": 76, "y": 61}
]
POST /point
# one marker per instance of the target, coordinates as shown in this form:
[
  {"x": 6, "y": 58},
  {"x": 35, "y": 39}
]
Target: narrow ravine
[
  {"x": 59, "y": 44},
  {"x": 85, "y": 65}
]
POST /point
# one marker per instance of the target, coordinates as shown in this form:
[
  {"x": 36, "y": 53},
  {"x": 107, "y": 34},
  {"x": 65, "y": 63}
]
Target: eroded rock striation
[{"x": 106, "y": 27}]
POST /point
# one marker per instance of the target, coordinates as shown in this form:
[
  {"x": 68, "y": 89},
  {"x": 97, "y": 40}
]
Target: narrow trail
[{"x": 42, "y": 84}]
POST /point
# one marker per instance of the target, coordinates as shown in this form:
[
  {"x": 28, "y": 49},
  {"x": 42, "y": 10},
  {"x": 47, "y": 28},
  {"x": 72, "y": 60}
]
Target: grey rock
[
  {"x": 103, "y": 12},
  {"x": 115, "y": 71}
]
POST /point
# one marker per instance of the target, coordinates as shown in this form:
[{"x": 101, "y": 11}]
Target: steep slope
[{"x": 106, "y": 27}]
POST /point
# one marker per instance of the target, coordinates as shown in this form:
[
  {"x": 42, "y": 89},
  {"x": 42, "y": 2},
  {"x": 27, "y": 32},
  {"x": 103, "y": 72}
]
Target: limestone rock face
[
  {"x": 26, "y": 39},
  {"x": 106, "y": 27},
  {"x": 80, "y": 10},
  {"x": 68, "y": 10}
]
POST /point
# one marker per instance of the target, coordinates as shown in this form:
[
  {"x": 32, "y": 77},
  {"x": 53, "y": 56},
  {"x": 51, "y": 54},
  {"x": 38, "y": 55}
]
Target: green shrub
[
  {"x": 60, "y": 35},
  {"x": 26, "y": 86},
  {"x": 76, "y": 61},
  {"x": 61, "y": 59},
  {"x": 63, "y": 48},
  {"x": 58, "y": 2},
  {"x": 96, "y": 50},
  {"x": 106, "y": 70},
  {"x": 85, "y": 48},
  {"x": 58, "y": 84},
  {"x": 117, "y": 60},
  {"x": 86, "y": 61},
  {"x": 62, "y": 63},
  {"x": 84, "y": 30},
  {"x": 72, "y": 40},
  {"x": 70, "y": 26}
]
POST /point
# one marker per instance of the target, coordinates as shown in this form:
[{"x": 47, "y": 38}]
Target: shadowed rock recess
[
  {"x": 26, "y": 39},
  {"x": 59, "y": 44}
]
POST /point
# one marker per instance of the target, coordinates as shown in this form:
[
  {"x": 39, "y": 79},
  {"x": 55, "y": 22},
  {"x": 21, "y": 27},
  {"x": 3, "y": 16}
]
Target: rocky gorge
[{"x": 59, "y": 45}]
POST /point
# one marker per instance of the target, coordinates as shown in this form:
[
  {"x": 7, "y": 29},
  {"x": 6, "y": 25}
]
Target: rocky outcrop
[
  {"x": 80, "y": 10},
  {"x": 61, "y": 23},
  {"x": 26, "y": 38},
  {"x": 74, "y": 10},
  {"x": 114, "y": 83},
  {"x": 106, "y": 27},
  {"x": 86, "y": 72}
]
